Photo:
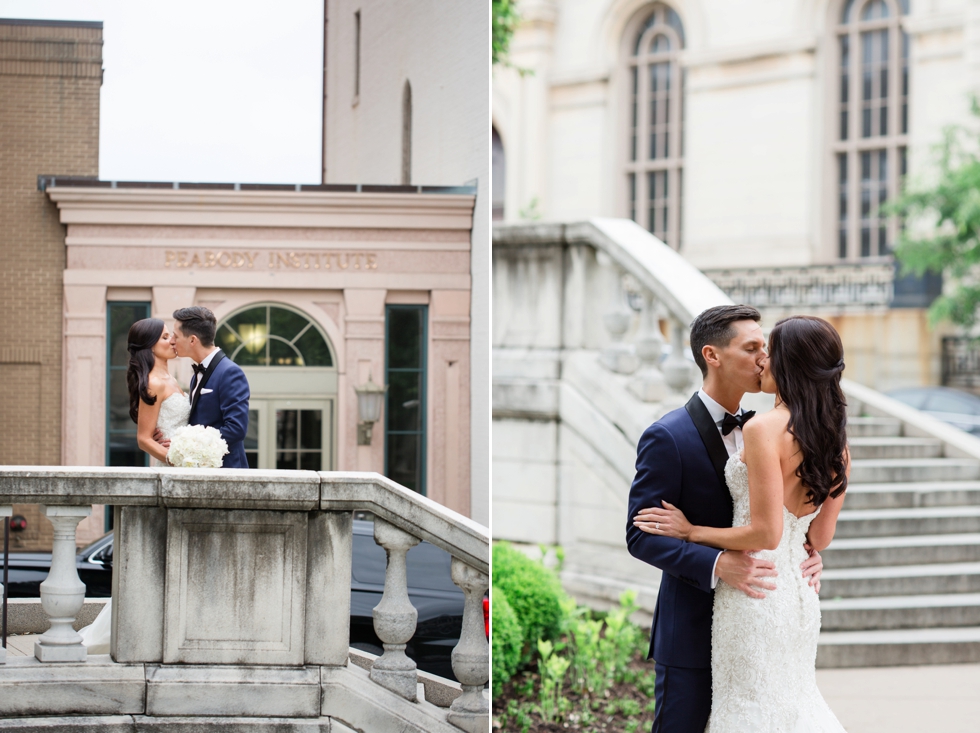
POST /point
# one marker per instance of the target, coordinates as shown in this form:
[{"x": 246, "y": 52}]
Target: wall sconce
[{"x": 370, "y": 397}]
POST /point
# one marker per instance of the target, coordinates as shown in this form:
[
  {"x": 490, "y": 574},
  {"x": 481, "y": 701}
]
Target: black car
[
  {"x": 959, "y": 409},
  {"x": 438, "y": 600}
]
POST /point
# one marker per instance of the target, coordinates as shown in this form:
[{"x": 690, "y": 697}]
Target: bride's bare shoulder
[
  {"x": 159, "y": 386},
  {"x": 767, "y": 424}
]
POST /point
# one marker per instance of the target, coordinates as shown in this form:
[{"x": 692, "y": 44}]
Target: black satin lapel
[
  {"x": 708, "y": 431},
  {"x": 207, "y": 374}
]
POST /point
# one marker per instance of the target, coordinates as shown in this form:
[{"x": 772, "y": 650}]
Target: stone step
[
  {"x": 881, "y": 470},
  {"x": 892, "y": 580},
  {"x": 899, "y": 495},
  {"x": 900, "y": 612},
  {"x": 894, "y": 647},
  {"x": 872, "y": 448},
  {"x": 865, "y": 427},
  {"x": 911, "y": 521},
  {"x": 912, "y": 550}
]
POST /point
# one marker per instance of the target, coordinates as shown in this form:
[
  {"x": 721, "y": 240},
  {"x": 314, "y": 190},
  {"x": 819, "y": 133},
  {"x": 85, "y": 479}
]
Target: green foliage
[
  {"x": 532, "y": 590},
  {"x": 520, "y": 714},
  {"x": 944, "y": 225},
  {"x": 508, "y": 640},
  {"x": 552, "y": 669},
  {"x": 505, "y": 20}
]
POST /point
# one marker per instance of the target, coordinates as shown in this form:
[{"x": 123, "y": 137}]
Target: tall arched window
[
  {"x": 655, "y": 141},
  {"x": 871, "y": 133}
]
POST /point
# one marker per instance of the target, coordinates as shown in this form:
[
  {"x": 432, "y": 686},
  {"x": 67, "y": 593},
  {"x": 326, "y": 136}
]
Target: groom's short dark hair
[
  {"x": 714, "y": 327},
  {"x": 197, "y": 321}
]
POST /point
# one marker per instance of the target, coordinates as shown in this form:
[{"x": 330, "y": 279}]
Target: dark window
[
  {"x": 405, "y": 374},
  {"x": 120, "y": 439},
  {"x": 498, "y": 181}
]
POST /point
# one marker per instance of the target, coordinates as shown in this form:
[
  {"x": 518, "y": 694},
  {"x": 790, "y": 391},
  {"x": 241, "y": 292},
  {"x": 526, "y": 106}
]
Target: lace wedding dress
[
  {"x": 763, "y": 652},
  {"x": 174, "y": 413}
]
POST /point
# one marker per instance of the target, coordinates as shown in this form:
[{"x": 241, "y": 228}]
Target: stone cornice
[{"x": 196, "y": 207}]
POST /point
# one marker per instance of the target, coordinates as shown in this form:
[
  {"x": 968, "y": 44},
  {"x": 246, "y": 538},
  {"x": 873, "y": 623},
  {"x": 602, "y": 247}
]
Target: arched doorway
[{"x": 292, "y": 375}]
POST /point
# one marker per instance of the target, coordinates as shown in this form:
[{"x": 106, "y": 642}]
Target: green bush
[
  {"x": 532, "y": 590},
  {"x": 508, "y": 639}
]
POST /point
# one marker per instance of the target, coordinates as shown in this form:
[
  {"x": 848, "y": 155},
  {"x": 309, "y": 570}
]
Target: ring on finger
[{"x": 656, "y": 526}]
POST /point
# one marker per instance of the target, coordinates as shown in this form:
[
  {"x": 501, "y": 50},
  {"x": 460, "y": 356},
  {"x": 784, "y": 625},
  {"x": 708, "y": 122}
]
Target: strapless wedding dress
[
  {"x": 763, "y": 652},
  {"x": 175, "y": 411}
]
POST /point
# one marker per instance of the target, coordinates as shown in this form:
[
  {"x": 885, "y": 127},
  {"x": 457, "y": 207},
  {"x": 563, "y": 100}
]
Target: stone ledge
[
  {"x": 97, "y": 686},
  {"x": 438, "y": 690},
  {"x": 225, "y": 691}
]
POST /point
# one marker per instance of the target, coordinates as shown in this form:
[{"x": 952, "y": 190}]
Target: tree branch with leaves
[{"x": 943, "y": 235}]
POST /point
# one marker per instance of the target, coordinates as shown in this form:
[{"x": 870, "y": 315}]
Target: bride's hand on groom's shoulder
[{"x": 666, "y": 522}]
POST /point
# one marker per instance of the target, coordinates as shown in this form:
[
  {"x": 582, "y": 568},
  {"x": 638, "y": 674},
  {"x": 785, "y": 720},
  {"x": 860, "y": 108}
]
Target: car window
[
  {"x": 914, "y": 397},
  {"x": 429, "y": 567},
  {"x": 952, "y": 402}
]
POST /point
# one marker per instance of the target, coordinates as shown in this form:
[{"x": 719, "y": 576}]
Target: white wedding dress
[
  {"x": 763, "y": 652},
  {"x": 174, "y": 413}
]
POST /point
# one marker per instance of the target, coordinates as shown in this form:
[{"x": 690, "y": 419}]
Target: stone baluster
[
  {"x": 5, "y": 511},
  {"x": 649, "y": 383},
  {"x": 471, "y": 657},
  {"x": 617, "y": 356},
  {"x": 677, "y": 369},
  {"x": 62, "y": 592},
  {"x": 395, "y": 617}
]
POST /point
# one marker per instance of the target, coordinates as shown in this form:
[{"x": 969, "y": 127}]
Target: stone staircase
[{"x": 902, "y": 578}]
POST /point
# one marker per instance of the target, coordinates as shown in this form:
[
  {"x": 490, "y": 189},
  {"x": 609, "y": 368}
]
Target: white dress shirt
[
  {"x": 207, "y": 361},
  {"x": 733, "y": 443}
]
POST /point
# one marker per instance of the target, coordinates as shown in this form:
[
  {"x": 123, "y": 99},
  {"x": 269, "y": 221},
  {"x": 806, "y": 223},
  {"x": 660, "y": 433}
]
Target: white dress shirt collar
[
  {"x": 210, "y": 357},
  {"x": 716, "y": 411}
]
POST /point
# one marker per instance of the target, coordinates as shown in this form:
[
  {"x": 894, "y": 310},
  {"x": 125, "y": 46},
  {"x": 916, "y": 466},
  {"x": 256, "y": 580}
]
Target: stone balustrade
[{"x": 231, "y": 603}]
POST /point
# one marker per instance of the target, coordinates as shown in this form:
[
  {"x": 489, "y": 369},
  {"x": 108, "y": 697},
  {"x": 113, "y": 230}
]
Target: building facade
[
  {"x": 757, "y": 138},
  {"x": 50, "y": 77},
  {"x": 319, "y": 290},
  {"x": 406, "y": 92}
]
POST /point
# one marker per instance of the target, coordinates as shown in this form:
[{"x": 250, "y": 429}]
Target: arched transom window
[
  {"x": 871, "y": 132},
  {"x": 655, "y": 142},
  {"x": 273, "y": 335}
]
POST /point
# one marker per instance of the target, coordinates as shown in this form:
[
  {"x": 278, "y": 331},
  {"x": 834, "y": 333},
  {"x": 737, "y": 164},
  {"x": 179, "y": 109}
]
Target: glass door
[{"x": 290, "y": 434}]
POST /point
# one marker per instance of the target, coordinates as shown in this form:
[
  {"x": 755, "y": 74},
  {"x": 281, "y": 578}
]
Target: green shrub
[
  {"x": 508, "y": 639},
  {"x": 532, "y": 590}
]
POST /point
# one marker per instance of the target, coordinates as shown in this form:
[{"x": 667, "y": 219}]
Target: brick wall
[{"x": 50, "y": 76}]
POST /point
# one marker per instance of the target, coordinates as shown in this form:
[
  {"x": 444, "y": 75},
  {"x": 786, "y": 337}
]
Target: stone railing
[
  {"x": 231, "y": 603},
  {"x": 838, "y": 288}
]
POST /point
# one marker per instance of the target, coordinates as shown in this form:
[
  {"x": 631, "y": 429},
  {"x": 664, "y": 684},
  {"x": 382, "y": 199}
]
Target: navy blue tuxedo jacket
[
  {"x": 224, "y": 407},
  {"x": 681, "y": 459}
]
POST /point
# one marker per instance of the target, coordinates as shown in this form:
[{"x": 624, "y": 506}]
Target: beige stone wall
[
  {"x": 50, "y": 76},
  {"x": 440, "y": 48}
]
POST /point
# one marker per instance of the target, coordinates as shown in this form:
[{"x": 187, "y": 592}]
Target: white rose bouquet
[{"x": 196, "y": 446}]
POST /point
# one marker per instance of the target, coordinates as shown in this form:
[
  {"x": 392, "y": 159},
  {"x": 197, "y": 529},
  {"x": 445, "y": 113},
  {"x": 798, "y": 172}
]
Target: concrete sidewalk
[{"x": 904, "y": 699}]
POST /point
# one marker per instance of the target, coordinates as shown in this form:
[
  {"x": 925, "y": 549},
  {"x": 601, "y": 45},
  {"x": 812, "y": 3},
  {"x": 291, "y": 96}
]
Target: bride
[
  {"x": 787, "y": 488},
  {"x": 155, "y": 402}
]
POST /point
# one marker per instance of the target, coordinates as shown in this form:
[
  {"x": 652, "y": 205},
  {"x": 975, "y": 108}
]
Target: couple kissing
[
  {"x": 218, "y": 395},
  {"x": 734, "y": 510}
]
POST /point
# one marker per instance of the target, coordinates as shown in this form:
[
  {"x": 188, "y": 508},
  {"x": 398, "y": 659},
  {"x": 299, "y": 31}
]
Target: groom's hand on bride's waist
[
  {"x": 745, "y": 573},
  {"x": 812, "y": 567},
  {"x": 158, "y": 437}
]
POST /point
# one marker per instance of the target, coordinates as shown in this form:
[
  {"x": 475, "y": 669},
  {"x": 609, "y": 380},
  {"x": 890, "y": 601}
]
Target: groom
[
  {"x": 681, "y": 460},
  {"x": 219, "y": 391}
]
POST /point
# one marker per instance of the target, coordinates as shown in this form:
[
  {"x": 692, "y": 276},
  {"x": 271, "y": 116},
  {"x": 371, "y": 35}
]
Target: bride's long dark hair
[
  {"x": 143, "y": 336},
  {"x": 806, "y": 359}
]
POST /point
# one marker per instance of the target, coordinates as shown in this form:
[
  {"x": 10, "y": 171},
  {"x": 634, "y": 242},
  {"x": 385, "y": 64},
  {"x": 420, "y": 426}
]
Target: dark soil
[{"x": 583, "y": 715}]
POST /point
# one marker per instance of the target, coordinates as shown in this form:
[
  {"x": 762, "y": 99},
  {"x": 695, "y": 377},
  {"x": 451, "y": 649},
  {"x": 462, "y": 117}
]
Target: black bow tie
[
  {"x": 731, "y": 421},
  {"x": 199, "y": 369}
]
